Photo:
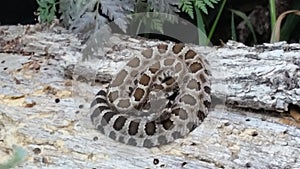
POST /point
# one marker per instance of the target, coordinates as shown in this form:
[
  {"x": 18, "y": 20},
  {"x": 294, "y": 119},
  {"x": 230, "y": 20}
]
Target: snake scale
[{"x": 159, "y": 96}]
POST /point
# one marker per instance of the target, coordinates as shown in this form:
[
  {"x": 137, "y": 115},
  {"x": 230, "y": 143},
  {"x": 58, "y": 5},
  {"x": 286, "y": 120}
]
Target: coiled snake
[{"x": 159, "y": 96}]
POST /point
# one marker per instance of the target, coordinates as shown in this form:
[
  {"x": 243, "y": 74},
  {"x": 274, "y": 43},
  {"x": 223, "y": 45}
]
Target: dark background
[{"x": 14, "y": 12}]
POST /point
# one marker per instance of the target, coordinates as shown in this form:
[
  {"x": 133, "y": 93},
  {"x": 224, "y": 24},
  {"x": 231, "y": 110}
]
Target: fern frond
[
  {"x": 187, "y": 7},
  {"x": 214, "y": 1},
  {"x": 72, "y": 11},
  {"x": 118, "y": 9},
  {"x": 209, "y": 3},
  {"x": 163, "y": 6},
  {"x": 202, "y": 4},
  {"x": 157, "y": 24},
  {"x": 82, "y": 16}
]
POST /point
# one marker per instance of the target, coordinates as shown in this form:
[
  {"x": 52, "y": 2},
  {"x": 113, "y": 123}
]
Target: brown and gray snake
[{"x": 159, "y": 96}]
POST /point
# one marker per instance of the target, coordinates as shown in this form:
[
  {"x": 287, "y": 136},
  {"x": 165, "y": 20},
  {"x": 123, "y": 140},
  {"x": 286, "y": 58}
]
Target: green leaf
[
  {"x": 187, "y": 7},
  {"x": 202, "y": 38},
  {"x": 41, "y": 3},
  {"x": 208, "y": 2},
  {"x": 290, "y": 24},
  {"x": 51, "y": 1},
  {"x": 275, "y": 37},
  {"x": 157, "y": 24},
  {"x": 212, "y": 30},
  {"x": 46, "y": 10},
  {"x": 233, "y": 31},
  {"x": 200, "y": 4},
  {"x": 214, "y": 1},
  {"x": 18, "y": 156},
  {"x": 272, "y": 7},
  {"x": 246, "y": 19}
]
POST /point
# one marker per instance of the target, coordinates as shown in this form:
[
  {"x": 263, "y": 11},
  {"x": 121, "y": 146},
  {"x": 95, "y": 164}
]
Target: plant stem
[
  {"x": 201, "y": 27},
  {"x": 212, "y": 30},
  {"x": 233, "y": 32},
  {"x": 272, "y": 13}
]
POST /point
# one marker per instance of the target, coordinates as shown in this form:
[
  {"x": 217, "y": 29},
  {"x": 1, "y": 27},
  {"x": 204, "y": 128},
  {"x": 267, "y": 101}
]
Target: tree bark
[{"x": 253, "y": 123}]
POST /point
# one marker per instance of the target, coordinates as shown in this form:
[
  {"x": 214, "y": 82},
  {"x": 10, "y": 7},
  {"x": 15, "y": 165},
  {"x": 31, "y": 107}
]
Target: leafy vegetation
[
  {"x": 275, "y": 24},
  {"x": 188, "y": 6},
  {"x": 285, "y": 31},
  {"x": 248, "y": 23},
  {"x": 155, "y": 15},
  {"x": 46, "y": 10},
  {"x": 86, "y": 16},
  {"x": 83, "y": 16},
  {"x": 18, "y": 156},
  {"x": 272, "y": 6},
  {"x": 276, "y": 31}
]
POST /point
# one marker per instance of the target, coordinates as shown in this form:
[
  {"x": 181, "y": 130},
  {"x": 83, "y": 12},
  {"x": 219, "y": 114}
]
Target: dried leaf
[{"x": 276, "y": 31}]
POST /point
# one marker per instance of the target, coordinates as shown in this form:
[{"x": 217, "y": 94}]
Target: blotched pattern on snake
[{"x": 159, "y": 96}]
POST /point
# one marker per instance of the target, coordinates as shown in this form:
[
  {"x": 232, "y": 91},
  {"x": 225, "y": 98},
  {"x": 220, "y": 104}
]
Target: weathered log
[{"x": 44, "y": 113}]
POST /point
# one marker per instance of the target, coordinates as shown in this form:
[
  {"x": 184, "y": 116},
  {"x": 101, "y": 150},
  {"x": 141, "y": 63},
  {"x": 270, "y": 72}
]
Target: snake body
[{"x": 159, "y": 96}]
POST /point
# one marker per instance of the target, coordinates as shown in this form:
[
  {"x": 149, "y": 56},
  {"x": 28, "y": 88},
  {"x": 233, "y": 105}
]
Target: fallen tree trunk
[{"x": 253, "y": 124}]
